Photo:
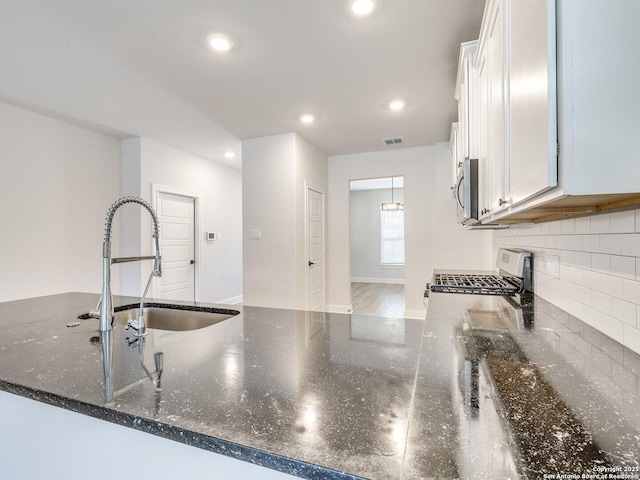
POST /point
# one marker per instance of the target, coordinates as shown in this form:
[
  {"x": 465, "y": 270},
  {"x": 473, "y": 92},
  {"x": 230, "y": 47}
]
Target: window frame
[{"x": 398, "y": 237}]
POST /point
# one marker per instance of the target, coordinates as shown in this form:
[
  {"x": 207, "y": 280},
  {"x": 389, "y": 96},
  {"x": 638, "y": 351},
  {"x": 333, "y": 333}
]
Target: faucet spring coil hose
[{"x": 129, "y": 199}]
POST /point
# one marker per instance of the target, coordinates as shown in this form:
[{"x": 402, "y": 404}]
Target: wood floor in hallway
[{"x": 378, "y": 299}]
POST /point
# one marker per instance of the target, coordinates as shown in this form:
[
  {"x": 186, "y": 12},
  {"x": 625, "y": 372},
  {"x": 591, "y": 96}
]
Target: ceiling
[{"x": 142, "y": 67}]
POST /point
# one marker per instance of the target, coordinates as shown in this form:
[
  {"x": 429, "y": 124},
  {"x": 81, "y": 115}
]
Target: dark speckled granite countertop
[{"x": 478, "y": 390}]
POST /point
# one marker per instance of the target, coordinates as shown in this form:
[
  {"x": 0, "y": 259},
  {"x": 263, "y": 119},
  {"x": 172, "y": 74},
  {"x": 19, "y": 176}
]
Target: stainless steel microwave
[{"x": 466, "y": 192}]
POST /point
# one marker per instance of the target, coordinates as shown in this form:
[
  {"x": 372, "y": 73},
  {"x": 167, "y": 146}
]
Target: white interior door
[
  {"x": 315, "y": 258},
  {"x": 176, "y": 214}
]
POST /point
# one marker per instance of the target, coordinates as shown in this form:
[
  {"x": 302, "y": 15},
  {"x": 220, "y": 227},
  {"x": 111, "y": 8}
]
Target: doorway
[
  {"x": 177, "y": 218},
  {"x": 376, "y": 237}
]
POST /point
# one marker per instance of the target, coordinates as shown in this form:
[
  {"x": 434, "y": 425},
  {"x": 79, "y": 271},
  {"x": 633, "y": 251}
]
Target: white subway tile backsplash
[
  {"x": 548, "y": 241},
  {"x": 592, "y": 280},
  {"x": 612, "y": 327},
  {"x": 591, "y": 243},
  {"x": 552, "y": 228},
  {"x": 600, "y": 223},
  {"x": 622, "y": 222},
  {"x": 591, "y": 316},
  {"x": 566, "y": 287},
  {"x": 611, "y": 243},
  {"x": 583, "y": 225},
  {"x": 568, "y": 226},
  {"x": 541, "y": 278},
  {"x": 631, "y": 338},
  {"x": 583, "y": 295},
  {"x": 601, "y": 263},
  {"x": 574, "y": 307},
  {"x": 630, "y": 245},
  {"x": 583, "y": 260},
  {"x": 625, "y": 311},
  {"x": 568, "y": 257},
  {"x": 601, "y": 302},
  {"x": 599, "y": 269},
  {"x": 631, "y": 290},
  {"x": 612, "y": 285},
  {"x": 576, "y": 275},
  {"x": 624, "y": 267},
  {"x": 562, "y": 242}
]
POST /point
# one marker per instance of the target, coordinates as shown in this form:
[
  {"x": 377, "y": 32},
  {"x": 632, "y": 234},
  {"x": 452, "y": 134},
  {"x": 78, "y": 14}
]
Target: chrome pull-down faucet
[{"x": 107, "y": 318}]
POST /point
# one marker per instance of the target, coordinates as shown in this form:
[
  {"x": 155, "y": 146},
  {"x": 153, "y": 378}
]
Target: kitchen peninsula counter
[{"x": 331, "y": 396}]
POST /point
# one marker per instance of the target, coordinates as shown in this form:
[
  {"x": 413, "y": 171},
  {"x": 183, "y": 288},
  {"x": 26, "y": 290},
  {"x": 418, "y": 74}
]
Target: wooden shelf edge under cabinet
[{"x": 569, "y": 206}]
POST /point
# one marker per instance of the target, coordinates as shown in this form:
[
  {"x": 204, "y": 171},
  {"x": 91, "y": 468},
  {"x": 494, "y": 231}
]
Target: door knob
[
  {"x": 312, "y": 263},
  {"x": 192, "y": 262}
]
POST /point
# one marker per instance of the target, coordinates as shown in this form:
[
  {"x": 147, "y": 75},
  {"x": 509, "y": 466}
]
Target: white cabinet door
[
  {"x": 531, "y": 161},
  {"x": 484, "y": 167},
  {"x": 467, "y": 97},
  {"x": 491, "y": 68}
]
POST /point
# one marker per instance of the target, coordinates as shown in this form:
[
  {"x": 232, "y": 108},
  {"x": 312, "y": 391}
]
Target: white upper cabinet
[
  {"x": 491, "y": 68},
  {"x": 558, "y": 126},
  {"x": 467, "y": 95},
  {"x": 531, "y": 165},
  {"x": 516, "y": 65},
  {"x": 468, "y": 101}
]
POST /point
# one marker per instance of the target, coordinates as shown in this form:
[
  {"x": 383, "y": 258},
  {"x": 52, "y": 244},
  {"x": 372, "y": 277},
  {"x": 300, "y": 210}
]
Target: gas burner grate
[{"x": 473, "y": 284}]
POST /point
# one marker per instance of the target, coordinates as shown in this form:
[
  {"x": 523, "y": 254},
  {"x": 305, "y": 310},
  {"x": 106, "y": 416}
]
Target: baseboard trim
[
  {"x": 339, "y": 308},
  {"x": 231, "y": 300},
  {"x": 395, "y": 281},
  {"x": 415, "y": 314}
]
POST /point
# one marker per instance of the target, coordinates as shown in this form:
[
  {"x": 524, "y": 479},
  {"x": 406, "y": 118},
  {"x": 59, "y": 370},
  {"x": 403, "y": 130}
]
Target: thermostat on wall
[{"x": 212, "y": 236}]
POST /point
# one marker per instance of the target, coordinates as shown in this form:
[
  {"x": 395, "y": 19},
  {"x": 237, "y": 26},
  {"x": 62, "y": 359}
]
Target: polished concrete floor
[{"x": 378, "y": 299}]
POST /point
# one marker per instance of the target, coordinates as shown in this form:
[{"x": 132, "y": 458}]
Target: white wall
[
  {"x": 274, "y": 173},
  {"x": 312, "y": 170},
  {"x": 57, "y": 182},
  {"x": 268, "y": 200},
  {"x": 364, "y": 236},
  {"x": 433, "y": 239},
  {"x": 416, "y": 165},
  {"x": 598, "y": 277},
  {"x": 220, "y": 190},
  {"x": 455, "y": 247}
]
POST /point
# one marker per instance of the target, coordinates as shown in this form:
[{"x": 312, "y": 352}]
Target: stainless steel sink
[{"x": 176, "y": 319}]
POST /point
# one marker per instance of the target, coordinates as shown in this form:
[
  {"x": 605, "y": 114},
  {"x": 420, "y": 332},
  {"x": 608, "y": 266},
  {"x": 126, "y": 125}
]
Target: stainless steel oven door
[{"x": 466, "y": 192}]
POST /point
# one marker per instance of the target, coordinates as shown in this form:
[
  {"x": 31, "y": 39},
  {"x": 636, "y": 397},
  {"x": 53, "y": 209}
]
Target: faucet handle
[{"x": 133, "y": 324}]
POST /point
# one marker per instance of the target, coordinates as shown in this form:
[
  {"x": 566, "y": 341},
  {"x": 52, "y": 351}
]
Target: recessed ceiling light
[
  {"x": 397, "y": 104},
  {"x": 362, "y": 7},
  {"x": 307, "y": 118},
  {"x": 220, "y": 42},
  {"x": 228, "y": 154}
]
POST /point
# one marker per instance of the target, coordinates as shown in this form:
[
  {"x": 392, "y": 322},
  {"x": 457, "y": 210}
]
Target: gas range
[{"x": 514, "y": 277}]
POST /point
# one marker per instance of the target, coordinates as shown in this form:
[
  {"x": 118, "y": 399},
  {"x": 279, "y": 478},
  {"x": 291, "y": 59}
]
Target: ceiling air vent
[{"x": 392, "y": 140}]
